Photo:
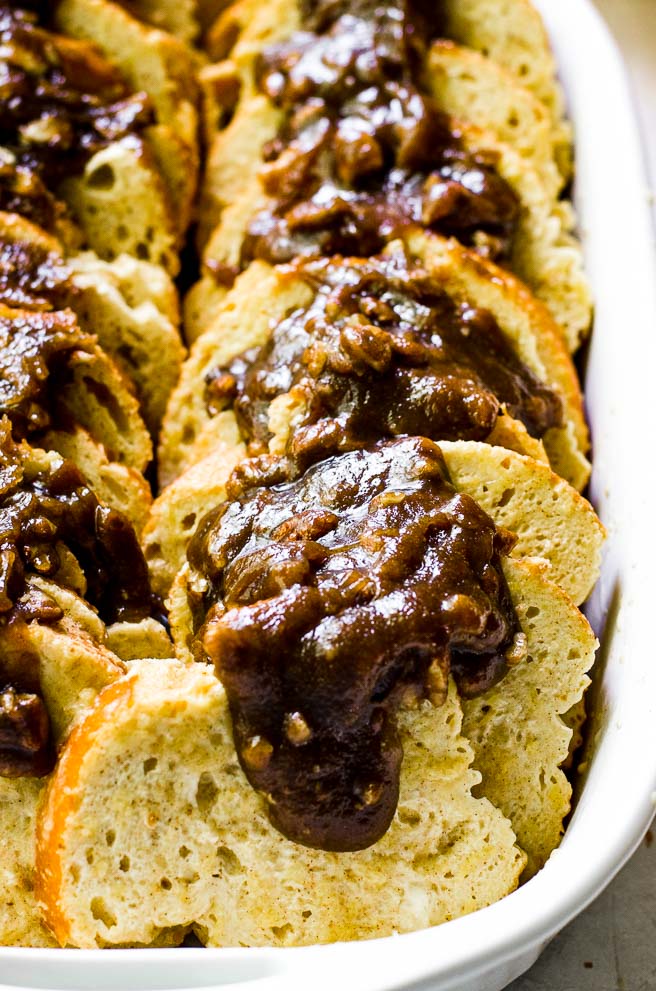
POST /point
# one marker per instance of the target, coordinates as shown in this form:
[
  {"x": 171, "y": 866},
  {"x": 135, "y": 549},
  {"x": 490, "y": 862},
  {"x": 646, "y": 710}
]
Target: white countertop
[{"x": 612, "y": 946}]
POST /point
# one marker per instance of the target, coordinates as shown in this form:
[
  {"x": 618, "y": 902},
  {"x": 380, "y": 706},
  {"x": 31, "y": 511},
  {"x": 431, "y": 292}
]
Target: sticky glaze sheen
[
  {"x": 381, "y": 351},
  {"x": 364, "y": 152},
  {"x": 333, "y": 601}
]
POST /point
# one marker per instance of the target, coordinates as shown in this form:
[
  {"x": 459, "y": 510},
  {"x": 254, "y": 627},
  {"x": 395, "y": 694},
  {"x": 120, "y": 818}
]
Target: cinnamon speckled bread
[
  {"x": 196, "y": 848},
  {"x": 263, "y": 295}
]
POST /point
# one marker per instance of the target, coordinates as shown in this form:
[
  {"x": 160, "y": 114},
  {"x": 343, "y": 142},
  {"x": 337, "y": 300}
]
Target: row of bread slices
[
  {"x": 93, "y": 218},
  {"x": 195, "y": 849}
]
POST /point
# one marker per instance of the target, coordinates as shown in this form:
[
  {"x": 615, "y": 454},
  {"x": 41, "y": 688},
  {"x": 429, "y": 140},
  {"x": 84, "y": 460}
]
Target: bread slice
[
  {"x": 519, "y": 739},
  {"x": 115, "y": 485},
  {"x": 469, "y": 86},
  {"x": 158, "y": 64},
  {"x": 511, "y": 33},
  {"x": 262, "y": 295},
  {"x": 201, "y": 307},
  {"x": 121, "y": 203},
  {"x": 73, "y": 670},
  {"x": 176, "y": 512},
  {"x": 179, "y": 17},
  {"x": 20, "y": 920},
  {"x": 92, "y": 392},
  {"x": 130, "y": 305},
  {"x": 552, "y": 521},
  {"x": 149, "y": 789},
  {"x": 544, "y": 252},
  {"x": 525, "y": 319},
  {"x": 135, "y": 641},
  {"x": 483, "y": 92},
  {"x": 516, "y": 729}
]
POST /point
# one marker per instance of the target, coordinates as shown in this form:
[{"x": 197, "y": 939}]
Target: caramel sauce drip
[{"x": 334, "y": 600}]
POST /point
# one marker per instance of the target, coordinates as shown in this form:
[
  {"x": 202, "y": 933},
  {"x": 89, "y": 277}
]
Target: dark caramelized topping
[
  {"x": 23, "y": 192},
  {"x": 52, "y": 525},
  {"x": 25, "y": 745},
  {"x": 363, "y": 151},
  {"x": 382, "y": 351},
  {"x": 32, "y": 276},
  {"x": 60, "y": 103},
  {"x": 333, "y": 601},
  {"x": 35, "y": 350}
]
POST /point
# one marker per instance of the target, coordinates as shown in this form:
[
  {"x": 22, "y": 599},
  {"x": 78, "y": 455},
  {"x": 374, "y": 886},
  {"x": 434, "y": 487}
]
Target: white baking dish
[{"x": 485, "y": 951}]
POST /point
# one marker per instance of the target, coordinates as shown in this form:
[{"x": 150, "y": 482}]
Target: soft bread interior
[
  {"x": 73, "y": 670},
  {"x": 168, "y": 740}
]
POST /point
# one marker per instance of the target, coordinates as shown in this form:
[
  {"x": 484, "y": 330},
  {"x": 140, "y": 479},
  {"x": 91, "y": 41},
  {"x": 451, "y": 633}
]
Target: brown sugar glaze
[
  {"x": 332, "y": 601},
  {"x": 60, "y": 103},
  {"x": 364, "y": 151},
  {"x": 381, "y": 351},
  {"x": 52, "y": 526}
]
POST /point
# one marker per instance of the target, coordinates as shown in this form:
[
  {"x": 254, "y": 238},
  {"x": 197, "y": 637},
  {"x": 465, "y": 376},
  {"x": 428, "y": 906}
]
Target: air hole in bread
[
  {"x": 110, "y": 837},
  {"x": 222, "y": 44},
  {"x": 100, "y": 392},
  {"x": 206, "y": 792},
  {"x": 307, "y": 913},
  {"x": 102, "y": 178},
  {"x": 409, "y": 817},
  {"x": 280, "y": 932},
  {"x": 102, "y": 913},
  {"x": 142, "y": 252},
  {"x": 532, "y": 612},
  {"x": 513, "y": 120},
  {"x": 165, "y": 884},
  {"x": 189, "y": 521},
  {"x": 124, "y": 864},
  {"x": 229, "y": 860},
  {"x": 89, "y": 856},
  {"x": 122, "y": 232},
  {"x": 184, "y": 851},
  {"x": 506, "y": 496},
  {"x": 149, "y": 765},
  {"x": 153, "y": 550},
  {"x": 188, "y": 433}
]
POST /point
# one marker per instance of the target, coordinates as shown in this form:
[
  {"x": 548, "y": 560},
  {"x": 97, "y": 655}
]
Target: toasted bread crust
[{"x": 174, "y": 703}]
